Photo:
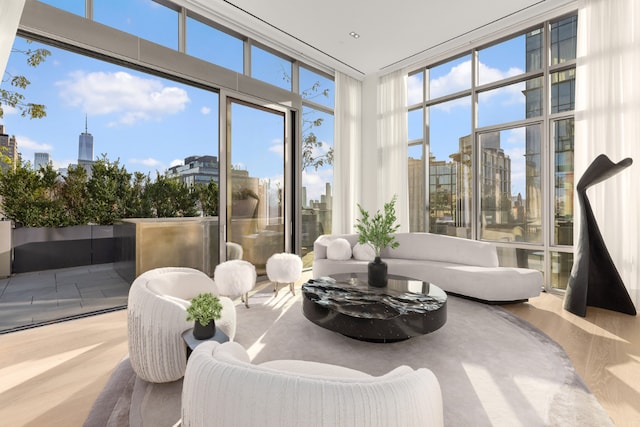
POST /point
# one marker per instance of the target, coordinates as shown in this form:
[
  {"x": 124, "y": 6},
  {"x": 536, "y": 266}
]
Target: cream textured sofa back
[
  {"x": 436, "y": 247},
  {"x": 222, "y": 388},
  {"x": 459, "y": 266}
]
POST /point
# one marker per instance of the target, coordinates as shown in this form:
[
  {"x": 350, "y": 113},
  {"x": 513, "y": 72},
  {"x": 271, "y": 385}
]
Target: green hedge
[{"x": 44, "y": 198}]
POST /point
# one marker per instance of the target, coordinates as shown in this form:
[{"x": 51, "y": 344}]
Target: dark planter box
[{"x": 45, "y": 248}]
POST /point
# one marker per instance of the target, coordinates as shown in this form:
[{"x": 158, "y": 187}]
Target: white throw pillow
[
  {"x": 364, "y": 252},
  {"x": 339, "y": 250}
]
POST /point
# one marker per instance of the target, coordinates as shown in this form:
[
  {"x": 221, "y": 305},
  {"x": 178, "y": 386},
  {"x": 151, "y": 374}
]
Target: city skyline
[{"x": 146, "y": 123}]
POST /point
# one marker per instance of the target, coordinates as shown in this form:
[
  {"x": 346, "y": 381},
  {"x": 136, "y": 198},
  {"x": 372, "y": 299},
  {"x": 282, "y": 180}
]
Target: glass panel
[
  {"x": 317, "y": 178},
  {"x": 450, "y": 168},
  {"x": 270, "y": 68},
  {"x": 255, "y": 180},
  {"x": 561, "y": 264},
  {"x": 511, "y": 202},
  {"x": 215, "y": 46},
  {"x": 564, "y": 181},
  {"x": 73, "y": 6},
  {"x": 416, "y": 124},
  {"x": 317, "y": 88},
  {"x": 149, "y": 126},
  {"x": 143, "y": 18},
  {"x": 523, "y": 258},
  {"x": 450, "y": 77},
  {"x": 415, "y": 88},
  {"x": 510, "y": 58},
  {"x": 564, "y": 40},
  {"x": 416, "y": 182},
  {"x": 510, "y": 103},
  {"x": 563, "y": 91}
]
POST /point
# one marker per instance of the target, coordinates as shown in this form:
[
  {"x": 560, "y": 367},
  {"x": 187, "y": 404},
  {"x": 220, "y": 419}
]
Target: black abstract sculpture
[{"x": 594, "y": 279}]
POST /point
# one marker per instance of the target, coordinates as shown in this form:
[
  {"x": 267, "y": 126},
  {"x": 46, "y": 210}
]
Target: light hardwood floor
[
  {"x": 604, "y": 347},
  {"x": 50, "y": 376}
]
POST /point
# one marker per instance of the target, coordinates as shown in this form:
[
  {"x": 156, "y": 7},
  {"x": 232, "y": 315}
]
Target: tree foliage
[
  {"x": 14, "y": 96},
  {"x": 208, "y": 197},
  {"x": 170, "y": 198},
  {"x": 44, "y": 198},
  {"x": 312, "y": 155},
  {"x": 31, "y": 196}
]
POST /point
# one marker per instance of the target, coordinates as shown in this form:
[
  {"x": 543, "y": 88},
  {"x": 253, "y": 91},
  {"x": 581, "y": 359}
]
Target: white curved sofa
[
  {"x": 156, "y": 318},
  {"x": 221, "y": 387},
  {"x": 459, "y": 266}
]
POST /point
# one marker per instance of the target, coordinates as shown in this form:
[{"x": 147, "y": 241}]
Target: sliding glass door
[{"x": 257, "y": 183}]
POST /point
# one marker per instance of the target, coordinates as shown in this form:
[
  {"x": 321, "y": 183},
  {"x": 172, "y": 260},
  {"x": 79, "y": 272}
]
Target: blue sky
[
  {"x": 150, "y": 123},
  {"x": 452, "y": 120}
]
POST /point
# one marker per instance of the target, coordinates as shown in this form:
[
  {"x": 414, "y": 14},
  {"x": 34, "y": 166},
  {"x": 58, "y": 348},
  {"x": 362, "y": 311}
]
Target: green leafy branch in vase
[{"x": 377, "y": 230}]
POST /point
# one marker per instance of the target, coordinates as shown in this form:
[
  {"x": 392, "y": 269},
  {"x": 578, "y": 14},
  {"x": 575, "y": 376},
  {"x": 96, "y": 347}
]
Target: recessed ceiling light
[{"x": 354, "y": 35}]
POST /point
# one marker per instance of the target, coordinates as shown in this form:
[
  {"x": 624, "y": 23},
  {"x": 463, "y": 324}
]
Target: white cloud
[
  {"x": 205, "y": 110},
  {"x": 129, "y": 97},
  {"x": 459, "y": 78},
  {"x": 62, "y": 164},
  {"x": 315, "y": 182},
  {"x": 24, "y": 142},
  {"x": 414, "y": 89},
  {"x": 176, "y": 162},
  {"x": 7, "y": 109},
  {"x": 488, "y": 74},
  {"x": 150, "y": 162},
  {"x": 277, "y": 147}
]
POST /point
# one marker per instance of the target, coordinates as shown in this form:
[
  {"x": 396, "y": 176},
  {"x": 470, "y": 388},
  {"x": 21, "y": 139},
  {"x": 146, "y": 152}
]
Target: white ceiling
[{"x": 392, "y": 33}]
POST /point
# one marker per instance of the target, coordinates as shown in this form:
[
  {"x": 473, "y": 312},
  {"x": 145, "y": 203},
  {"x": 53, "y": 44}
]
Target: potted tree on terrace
[
  {"x": 377, "y": 231},
  {"x": 204, "y": 310}
]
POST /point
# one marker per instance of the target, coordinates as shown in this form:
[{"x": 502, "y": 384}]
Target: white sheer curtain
[
  {"x": 392, "y": 144},
  {"x": 10, "y": 12},
  {"x": 608, "y": 122},
  {"x": 347, "y": 148}
]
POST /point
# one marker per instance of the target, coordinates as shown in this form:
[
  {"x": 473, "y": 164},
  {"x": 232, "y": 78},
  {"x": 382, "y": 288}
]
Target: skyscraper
[
  {"x": 41, "y": 160},
  {"x": 85, "y": 150},
  {"x": 85, "y": 145},
  {"x": 9, "y": 155}
]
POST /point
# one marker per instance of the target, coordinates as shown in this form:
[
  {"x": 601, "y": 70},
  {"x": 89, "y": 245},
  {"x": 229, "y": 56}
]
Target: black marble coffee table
[{"x": 345, "y": 303}]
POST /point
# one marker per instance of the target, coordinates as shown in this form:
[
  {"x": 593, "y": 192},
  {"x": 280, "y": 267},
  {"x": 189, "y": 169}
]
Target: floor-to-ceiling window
[
  {"x": 155, "y": 109},
  {"x": 316, "y": 162},
  {"x": 310, "y": 89},
  {"x": 491, "y": 147}
]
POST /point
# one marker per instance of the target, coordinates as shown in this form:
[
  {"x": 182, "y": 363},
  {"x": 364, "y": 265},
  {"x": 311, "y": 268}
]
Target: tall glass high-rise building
[
  {"x": 85, "y": 145},
  {"x": 41, "y": 160}
]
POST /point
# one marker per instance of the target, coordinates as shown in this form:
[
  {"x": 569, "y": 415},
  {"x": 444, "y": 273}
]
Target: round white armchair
[
  {"x": 222, "y": 387},
  {"x": 156, "y": 319}
]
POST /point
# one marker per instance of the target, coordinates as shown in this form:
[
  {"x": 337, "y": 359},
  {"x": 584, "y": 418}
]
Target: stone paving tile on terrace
[{"x": 31, "y": 299}]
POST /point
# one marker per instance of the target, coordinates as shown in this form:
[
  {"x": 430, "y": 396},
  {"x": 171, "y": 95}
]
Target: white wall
[{"x": 10, "y": 12}]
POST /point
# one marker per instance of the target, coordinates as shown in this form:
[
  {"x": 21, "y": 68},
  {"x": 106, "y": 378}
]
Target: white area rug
[{"x": 494, "y": 369}]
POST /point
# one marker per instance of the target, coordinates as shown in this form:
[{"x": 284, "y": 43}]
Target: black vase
[
  {"x": 204, "y": 332},
  {"x": 378, "y": 273}
]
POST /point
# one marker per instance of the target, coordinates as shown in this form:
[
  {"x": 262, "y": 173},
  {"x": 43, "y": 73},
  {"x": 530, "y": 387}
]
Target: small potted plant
[
  {"x": 204, "y": 310},
  {"x": 377, "y": 231}
]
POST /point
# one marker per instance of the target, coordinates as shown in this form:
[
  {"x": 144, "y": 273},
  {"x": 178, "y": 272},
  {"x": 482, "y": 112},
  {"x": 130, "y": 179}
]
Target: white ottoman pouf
[
  {"x": 284, "y": 268},
  {"x": 235, "y": 277}
]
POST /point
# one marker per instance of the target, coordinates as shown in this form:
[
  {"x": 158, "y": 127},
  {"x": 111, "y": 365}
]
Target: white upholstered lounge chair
[
  {"x": 156, "y": 318},
  {"x": 221, "y": 387}
]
